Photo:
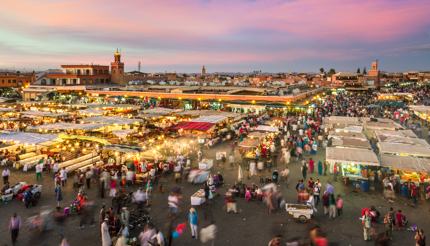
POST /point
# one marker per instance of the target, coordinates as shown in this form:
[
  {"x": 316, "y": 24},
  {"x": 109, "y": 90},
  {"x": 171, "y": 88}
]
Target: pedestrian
[
  {"x": 125, "y": 217},
  {"x": 311, "y": 166},
  {"x": 112, "y": 192},
  {"x": 316, "y": 193},
  {"x": 366, "y": 221},
  {"x": 104, "y": 228},
  {"x": 325, "y": 202},
  {"x": 208, "y": 234},
  {"x": 39, "y": 170},
  {"x": 63, "y": 176},
  {"x": 304, "y": 170},
  {"x": 5, "y": 174},
  {"x": 88, "y": 176},
  {"x": 58, "y": 195},
  {"x": 325, "y": 168},
  {"x": 320, "y": 167},
  {"x": 14, "y": 226},
  {"x": 339, "y": 205},
  {"x": 420, "y": 238},
  {"x": 388, "y": 224},
  {"x": 193, "y": 219},
  {"x": 332, "y": 207}
]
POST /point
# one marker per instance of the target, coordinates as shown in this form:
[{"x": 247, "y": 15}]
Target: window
[
  {"x": 43, "y": 82},
  {"x": 87, "y": 72},
  {"x": 64, "y": 81},
  {"x": 78, "y": 72}
]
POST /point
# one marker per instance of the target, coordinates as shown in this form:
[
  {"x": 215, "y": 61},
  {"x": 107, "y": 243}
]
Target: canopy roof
[
  {"x": 266, "y": 128},
  {"x": 122, "y": 133},
  {"x": 351, "y": 142},
  {"x": 351, "y": 155},
  {"x": 249, "y": 143},
  {"x": 343, "y": 120},
  {"x": 406, "y": 163},
  {"x": 159, "y": 111},
  {"x": 257, "y": 135},
  {"x": 343, "y": 134},
  {"x": 43, "y": 114},
  {"x": 382, "y": 124},
  {"x": 111, "y": 120},
  {"x": 210, "y": 119},
  {"x": 123, "y": 148},
  {"x": 404, "y": 149},
  {"x": 27, "y": 137},
  {"x": 198, "y": 126},
  {"x": 91, "y": 112},
  {"x": 86, "y": 138},
  {"x": 69, "y": 126},
  {"x": 396, "y": 133}
]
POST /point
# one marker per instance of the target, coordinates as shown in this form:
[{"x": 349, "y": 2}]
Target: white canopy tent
[
  {"x": 404, "y": 149},
  {"x": 351, "y": 156},
  {"x": 111, "y": 120},
  {"x": 266, "y": 128},
  {"x": 27, "y": 137},
  {"x": 406, "y": 163},
  {"x": 210, "y": 119},
  {"x": 69, "y": 126}
]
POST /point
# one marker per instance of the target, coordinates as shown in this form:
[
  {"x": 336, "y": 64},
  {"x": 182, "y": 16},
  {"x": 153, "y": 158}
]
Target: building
[
  {"x": 345, "y": 79},
  {"x": 373, "y": 76},
  {"x": 203, "y": 71},
  {"x": 16, "y": 79},
  {"x": 117, "y": 69},
  {"x": 76, "y": 75}
]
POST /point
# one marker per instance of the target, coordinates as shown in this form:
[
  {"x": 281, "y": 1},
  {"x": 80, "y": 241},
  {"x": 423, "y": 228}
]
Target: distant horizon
[{"x": 231, "y": 36}]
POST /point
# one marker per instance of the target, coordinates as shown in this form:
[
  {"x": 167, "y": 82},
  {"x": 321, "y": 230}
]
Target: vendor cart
[{"x": 301, "y": 212}]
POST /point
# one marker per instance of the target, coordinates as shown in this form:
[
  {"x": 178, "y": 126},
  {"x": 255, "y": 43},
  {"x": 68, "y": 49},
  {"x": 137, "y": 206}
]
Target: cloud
[{"x": 172, "y": 32}]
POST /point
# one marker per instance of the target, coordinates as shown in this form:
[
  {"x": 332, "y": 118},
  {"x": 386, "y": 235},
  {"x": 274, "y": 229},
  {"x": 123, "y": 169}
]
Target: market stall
[
  {"x": 353, "y": 163},
  {"x": 408, "y": 167}
]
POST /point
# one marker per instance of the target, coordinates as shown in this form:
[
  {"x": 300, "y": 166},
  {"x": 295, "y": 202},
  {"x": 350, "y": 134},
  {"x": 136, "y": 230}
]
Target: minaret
[
  {"x": 203, "y": 71},
  {"x": 117, "y": 69}
]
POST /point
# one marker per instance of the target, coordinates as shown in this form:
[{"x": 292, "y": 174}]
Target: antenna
[{"x": 138, "y": 66}]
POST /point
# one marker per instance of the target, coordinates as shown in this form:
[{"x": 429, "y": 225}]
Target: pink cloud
[{"x": 365, "y": 20}]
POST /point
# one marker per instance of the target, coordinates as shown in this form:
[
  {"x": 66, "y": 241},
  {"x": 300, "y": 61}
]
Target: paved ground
[{"x": 252, "y": 226}]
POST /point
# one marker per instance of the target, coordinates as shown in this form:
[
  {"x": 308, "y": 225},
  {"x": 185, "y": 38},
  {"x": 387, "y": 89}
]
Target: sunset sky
[{"x": 224, "y": 35}]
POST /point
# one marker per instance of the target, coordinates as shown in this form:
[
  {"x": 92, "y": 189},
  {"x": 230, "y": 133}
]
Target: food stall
[
  {"x": 353, "y": 163},
  {"x": 408, "y": 168}
]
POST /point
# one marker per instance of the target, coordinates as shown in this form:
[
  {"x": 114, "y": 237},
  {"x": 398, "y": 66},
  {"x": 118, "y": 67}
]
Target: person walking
[
  {"x": 332, "y": 207},
  {"x": 39, "y": 170},
  {"x": 311, "y": 166},
  {"x": 58, "y": 195},
  {"x": 388, "y": 224},
  {"x": 320, "y": 168},
  {"x": 304, "y": 170},
  {"x": 104, "y": 228},
  {"x": 366, "y": 221},
  {"x": 420, "y": 238},
  {"x": 326, "y": 202},
  {"x": 193, "y": 219},
  {"x": 14, "y": 226},
  {"x": 5, "y": 174},
  {"x": 339, "y": 205}
]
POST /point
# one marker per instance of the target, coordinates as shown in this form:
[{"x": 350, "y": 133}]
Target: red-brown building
[
  {"x": 16, "y": 79},
  {"x": 117, "y": 69},
  {"x": 77, "y": 75}
]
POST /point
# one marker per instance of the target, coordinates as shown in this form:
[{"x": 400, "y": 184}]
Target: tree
[
  {"x": 331, "y": 71},
  {"x": 358, "y": 70},
  {"x": 322, "y": 70},
  {"x": 364, "y": 71}
]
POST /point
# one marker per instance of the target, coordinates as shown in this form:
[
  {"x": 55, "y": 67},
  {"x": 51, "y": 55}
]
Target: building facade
[
  {"x": 77, "y": 75},
  {"x": 16, "y": 79}
]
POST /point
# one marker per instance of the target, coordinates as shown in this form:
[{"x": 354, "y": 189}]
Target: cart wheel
[{"x": 303, "y": 219}]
